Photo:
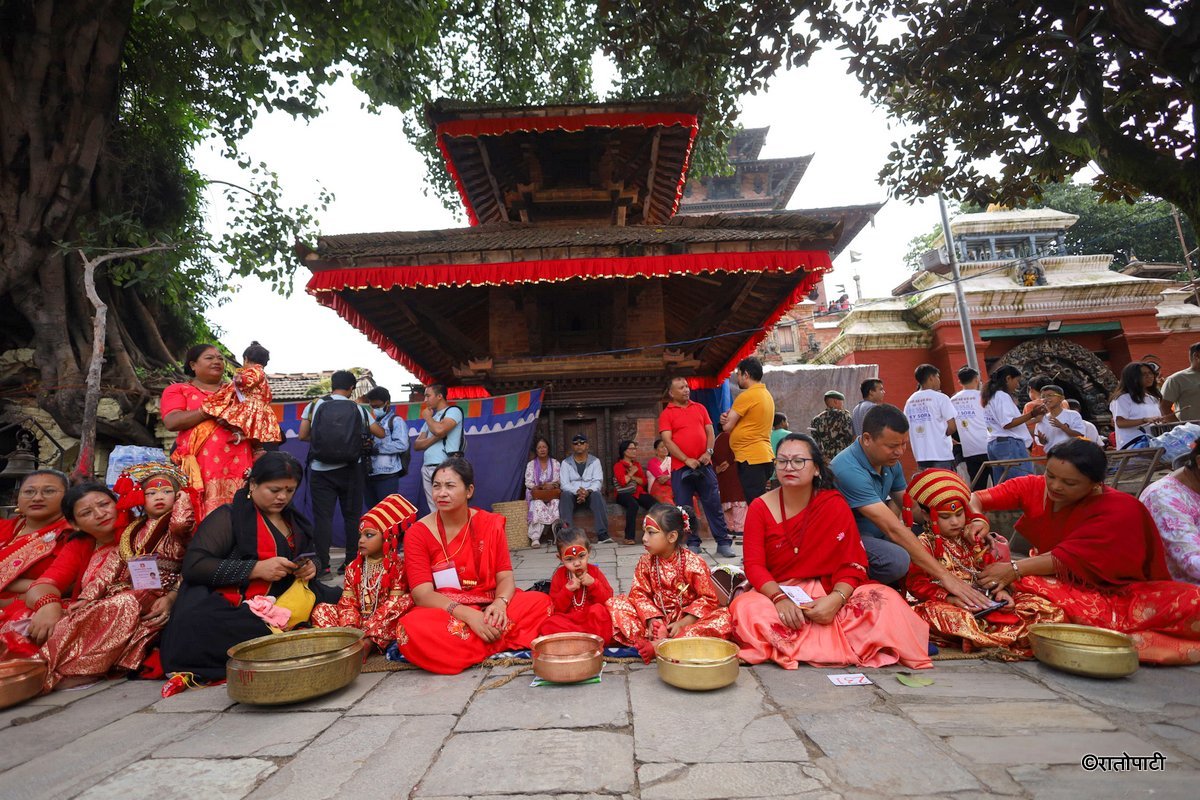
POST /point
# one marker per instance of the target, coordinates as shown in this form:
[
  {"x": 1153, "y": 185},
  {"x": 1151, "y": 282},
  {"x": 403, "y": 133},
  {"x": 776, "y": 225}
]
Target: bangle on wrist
[
  {"x": 775, "y": 598},
  {"x": 1016, "y": 571},
  {"x": 845, "y": 597},
  {"x": 450, "y": 608},
  {"x": 505, "y": 599},
  {"x": 45, "y": 600}
]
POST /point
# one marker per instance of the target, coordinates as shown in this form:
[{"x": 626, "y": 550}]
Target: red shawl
[
  {"x": 821, "y": 541},
  {"x": 479, "y": 552},
  {"x": 1105, "y": 540}
]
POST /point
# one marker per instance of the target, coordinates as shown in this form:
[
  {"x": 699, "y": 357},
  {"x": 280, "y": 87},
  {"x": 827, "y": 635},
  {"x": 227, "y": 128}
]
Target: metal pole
[
  {"x": 964, "y": 319},
  {"x": 1187, "y": 257}
]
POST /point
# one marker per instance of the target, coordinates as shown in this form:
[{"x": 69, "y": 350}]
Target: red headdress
[
  {"x": 393, "y": 514},
  {"x": 130, "y": 487},
  {"x": 937, "y": 490}
]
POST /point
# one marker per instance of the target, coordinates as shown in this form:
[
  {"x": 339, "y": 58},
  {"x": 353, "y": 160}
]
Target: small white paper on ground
[
  {"x": 850, "y": 679},
  {"x": 796, "y": 594}
]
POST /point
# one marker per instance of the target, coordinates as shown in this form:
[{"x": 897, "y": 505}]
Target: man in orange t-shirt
[{"x": 749, "y": 426}]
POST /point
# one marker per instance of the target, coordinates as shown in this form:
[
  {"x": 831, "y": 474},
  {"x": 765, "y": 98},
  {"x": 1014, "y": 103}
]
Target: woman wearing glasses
[
  {"x": 28, "y": 544},
  {"x": 814, "y": 602}
]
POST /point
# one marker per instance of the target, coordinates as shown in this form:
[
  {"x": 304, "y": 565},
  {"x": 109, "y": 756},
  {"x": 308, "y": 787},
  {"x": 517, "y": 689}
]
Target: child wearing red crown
[
  {"x": 578, "y": 590},
  {"x": 672, "y": 594},
  {"x": 375, "y": 594},
  {"x": 946, "y": 497}
]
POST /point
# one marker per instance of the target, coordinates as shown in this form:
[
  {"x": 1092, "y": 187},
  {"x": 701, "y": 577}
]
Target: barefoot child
[
  {"x": 672, "y": 594},
  {"x": 245, "y": 404},
  {"x": 946, "y": 497},
  {"x": 375, "y": 594},
  {"x": 578, "y": 589}
]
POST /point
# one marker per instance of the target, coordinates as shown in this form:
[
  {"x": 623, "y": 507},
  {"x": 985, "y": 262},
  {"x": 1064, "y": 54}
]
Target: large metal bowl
[
  {"x": 1084, "y": 650},
  {"x": 20, "y": 679},
  {"x": 567, "y": 657},
  {"x": 698, "y": 663},
  {"x": 293, "y": 666}
]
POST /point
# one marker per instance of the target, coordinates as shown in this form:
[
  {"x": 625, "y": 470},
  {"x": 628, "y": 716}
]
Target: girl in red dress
[
  {"x": 672, "y": 594},
  {"x": 467, "y": 604},
  {"x": 1097, "y": 555},
  {"x": 244, "y": 405},
  {"x": 578, "y": 589},
  {"x": 375, "y": 594}
]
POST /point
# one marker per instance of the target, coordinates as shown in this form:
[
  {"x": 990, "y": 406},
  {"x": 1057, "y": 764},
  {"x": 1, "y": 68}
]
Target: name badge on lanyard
[
  {"x": 143, "y": 571},
  {"x": 445, "y": 576}
]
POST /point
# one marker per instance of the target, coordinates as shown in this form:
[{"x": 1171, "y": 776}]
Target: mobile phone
[
  {"x": 306, "y": 557},
  {"x": 983, "y": 612}
]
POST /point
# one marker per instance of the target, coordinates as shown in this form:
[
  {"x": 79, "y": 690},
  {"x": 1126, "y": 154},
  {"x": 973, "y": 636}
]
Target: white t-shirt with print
[
  {"x": 1124, "y": 406},
  {"x": 1000, "y": 411},
  {"x": 928, "y": 411},
  {"x": 1072, "y": 419},
  {"x": 972, "y": 427}
]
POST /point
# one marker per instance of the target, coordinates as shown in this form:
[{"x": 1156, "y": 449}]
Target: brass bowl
[
  {"x": 293, "y": 666},
  {"x": 698, "y": 663},
  {"x": 20, "y": 680},
  {"x": 1084, "y": 650},
  {"x": 567, "y": 657}
]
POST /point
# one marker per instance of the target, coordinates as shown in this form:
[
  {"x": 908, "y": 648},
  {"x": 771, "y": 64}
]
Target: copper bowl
[
  {"x": 20, "y": 679},
  {"x": 698, "y": 663},
  {"x": 567, "y": 657},
  {"x": 293, "y": 666},
  {"x": 1084, "y": 650}
]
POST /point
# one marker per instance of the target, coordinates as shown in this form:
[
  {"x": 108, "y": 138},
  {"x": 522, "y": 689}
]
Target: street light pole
[{"x": 964, "y": 318}]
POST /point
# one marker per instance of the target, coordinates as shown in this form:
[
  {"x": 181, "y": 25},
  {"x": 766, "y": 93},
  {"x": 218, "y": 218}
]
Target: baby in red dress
[
  {"x": 245, "y": 403},
  {"x": 578, "y": 590}
]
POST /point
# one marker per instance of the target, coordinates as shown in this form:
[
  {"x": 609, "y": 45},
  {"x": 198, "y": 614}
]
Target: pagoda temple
[{"x": 576, "y": 275}]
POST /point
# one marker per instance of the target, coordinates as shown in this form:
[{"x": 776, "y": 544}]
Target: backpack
[
  {"x": 337, "y": 432},
  {"x": 406, "y": 456}
]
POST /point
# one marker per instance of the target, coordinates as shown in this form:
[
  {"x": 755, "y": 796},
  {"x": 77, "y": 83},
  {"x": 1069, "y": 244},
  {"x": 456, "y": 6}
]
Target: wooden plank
[
  {"x": 646, "y": 205},
  {"x": 487, "y": 166}
]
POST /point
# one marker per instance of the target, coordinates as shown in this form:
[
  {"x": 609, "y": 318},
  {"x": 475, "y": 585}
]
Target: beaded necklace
[
  {"x": 368, "y": 586},
  {"x": 660, "y": 597}
]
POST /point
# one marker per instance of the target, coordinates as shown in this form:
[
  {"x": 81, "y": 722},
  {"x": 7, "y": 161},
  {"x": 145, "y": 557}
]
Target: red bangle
[
  {"x": 775, "y": 597},
  {"x": 46, "y": 600}
]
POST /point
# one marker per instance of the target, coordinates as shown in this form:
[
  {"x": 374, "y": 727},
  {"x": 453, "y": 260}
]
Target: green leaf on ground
[{"x": 916, "y": 681}]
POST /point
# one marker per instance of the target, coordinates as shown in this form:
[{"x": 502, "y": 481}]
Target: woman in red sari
[
  {"x": 1098, "y": 555},
  {"x": 116, "y": 617},
  {"x": 28, "y": 544},
  {"x": 803, "y": 535},
  {"x": 460, "y": 574},
  {"x": 210, "y": 454}
]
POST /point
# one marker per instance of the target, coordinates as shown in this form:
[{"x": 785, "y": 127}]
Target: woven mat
[{"x": 377, "y": 662}]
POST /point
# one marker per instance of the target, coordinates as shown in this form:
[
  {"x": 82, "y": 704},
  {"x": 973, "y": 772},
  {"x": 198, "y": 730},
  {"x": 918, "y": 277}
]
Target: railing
[{"x": 1129, "y": 471}]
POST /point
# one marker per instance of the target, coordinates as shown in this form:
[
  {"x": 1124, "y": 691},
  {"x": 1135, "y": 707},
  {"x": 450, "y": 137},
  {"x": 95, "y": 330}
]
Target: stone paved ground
[{"x": 982, "y": 729}]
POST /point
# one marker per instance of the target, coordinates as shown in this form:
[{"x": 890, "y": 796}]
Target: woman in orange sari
[
  {"x": 1098, "y": 555},
  {"x": 457, "y": 563},
  {"x": 123, "y": 604},
  {"x": 28, "y": 544},
  {"x": 210, "y": 454},
  {"x": 802, "y": 536}
]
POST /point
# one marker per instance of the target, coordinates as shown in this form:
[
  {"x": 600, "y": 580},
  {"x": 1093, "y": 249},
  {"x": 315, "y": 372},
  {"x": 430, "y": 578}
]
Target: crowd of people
[{"x": 846, "y": 560}]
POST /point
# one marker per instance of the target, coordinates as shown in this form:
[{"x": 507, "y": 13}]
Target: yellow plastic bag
[{"x": 299, "y": 600}]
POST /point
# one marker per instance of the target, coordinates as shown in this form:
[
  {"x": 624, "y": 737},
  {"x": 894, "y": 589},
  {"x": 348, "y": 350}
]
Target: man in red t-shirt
[{"x": 687, "y": 431}]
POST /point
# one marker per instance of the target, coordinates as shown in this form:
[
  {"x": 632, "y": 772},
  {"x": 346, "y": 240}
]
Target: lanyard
[{"x": 464, "y": 534}]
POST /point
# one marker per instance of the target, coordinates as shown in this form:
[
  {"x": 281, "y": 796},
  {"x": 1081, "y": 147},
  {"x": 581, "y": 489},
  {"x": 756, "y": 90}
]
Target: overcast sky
[{"x": 377, "y": 178}]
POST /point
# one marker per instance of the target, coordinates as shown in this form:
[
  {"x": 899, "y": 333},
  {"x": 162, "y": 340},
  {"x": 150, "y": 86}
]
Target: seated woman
[
  {"x": 29, "y": 543},
  {"x": 375, "y": 594},
  {"x": 945, "y": 497},
  {"x": 127, "y": 591},
  {"x": 1174, "y": 503},
  {"x": 541, "y": 490},
  {"x": 255, "y": 546},
  {"x": 457, "y": 563},
  {"x": 1098, "y": 555},
  {"x": 630, "y": 481},
  {"x": 803, "y": 535}
]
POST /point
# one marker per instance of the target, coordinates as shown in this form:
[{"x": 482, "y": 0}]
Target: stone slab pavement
[{"x": 983, "y": 729}]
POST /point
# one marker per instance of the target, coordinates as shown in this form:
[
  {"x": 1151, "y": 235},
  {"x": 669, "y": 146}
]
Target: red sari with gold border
[
  {"x": 438, "y": 642},
  {"x": 24, "y": 554},
  {"x": 1110, "y": 570},
  {"x": 371, "y": 601},
  {"x": 816, "y": 549},
  {"x": 102, "y": 630},
  {"x": 669, "y": 588}
]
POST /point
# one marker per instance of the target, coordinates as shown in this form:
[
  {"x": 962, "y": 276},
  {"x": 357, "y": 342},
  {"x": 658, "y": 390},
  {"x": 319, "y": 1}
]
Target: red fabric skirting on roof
[
  {"x": 575, "y": 122},
  {"x": 327, "y": 286}
]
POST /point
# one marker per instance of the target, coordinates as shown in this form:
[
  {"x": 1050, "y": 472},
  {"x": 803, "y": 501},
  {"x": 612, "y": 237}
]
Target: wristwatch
[{"x": 709, "y": 451}]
